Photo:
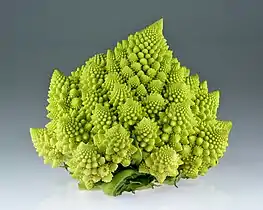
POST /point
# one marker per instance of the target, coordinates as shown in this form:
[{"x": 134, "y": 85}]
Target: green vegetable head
[{"x": 136, "y": 109}]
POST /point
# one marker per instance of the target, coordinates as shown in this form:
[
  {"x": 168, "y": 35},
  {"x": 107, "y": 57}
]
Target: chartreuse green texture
[{"x": 131, "y": 118}]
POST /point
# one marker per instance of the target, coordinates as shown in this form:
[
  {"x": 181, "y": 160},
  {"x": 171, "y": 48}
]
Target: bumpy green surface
[{"x": 131, "y": 118}]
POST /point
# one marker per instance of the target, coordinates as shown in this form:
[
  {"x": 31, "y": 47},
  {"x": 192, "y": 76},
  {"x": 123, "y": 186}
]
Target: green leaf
[{"x": 128, "y": 180}]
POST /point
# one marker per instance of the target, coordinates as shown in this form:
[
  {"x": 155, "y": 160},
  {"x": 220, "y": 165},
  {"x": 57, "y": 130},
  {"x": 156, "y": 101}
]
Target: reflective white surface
[
  {"x": 216, "y": 191},
  {"x": 191, "y": 195}
]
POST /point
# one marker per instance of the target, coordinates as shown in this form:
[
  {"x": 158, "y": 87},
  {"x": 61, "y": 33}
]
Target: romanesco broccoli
[{"x": 131, "y": 118}]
